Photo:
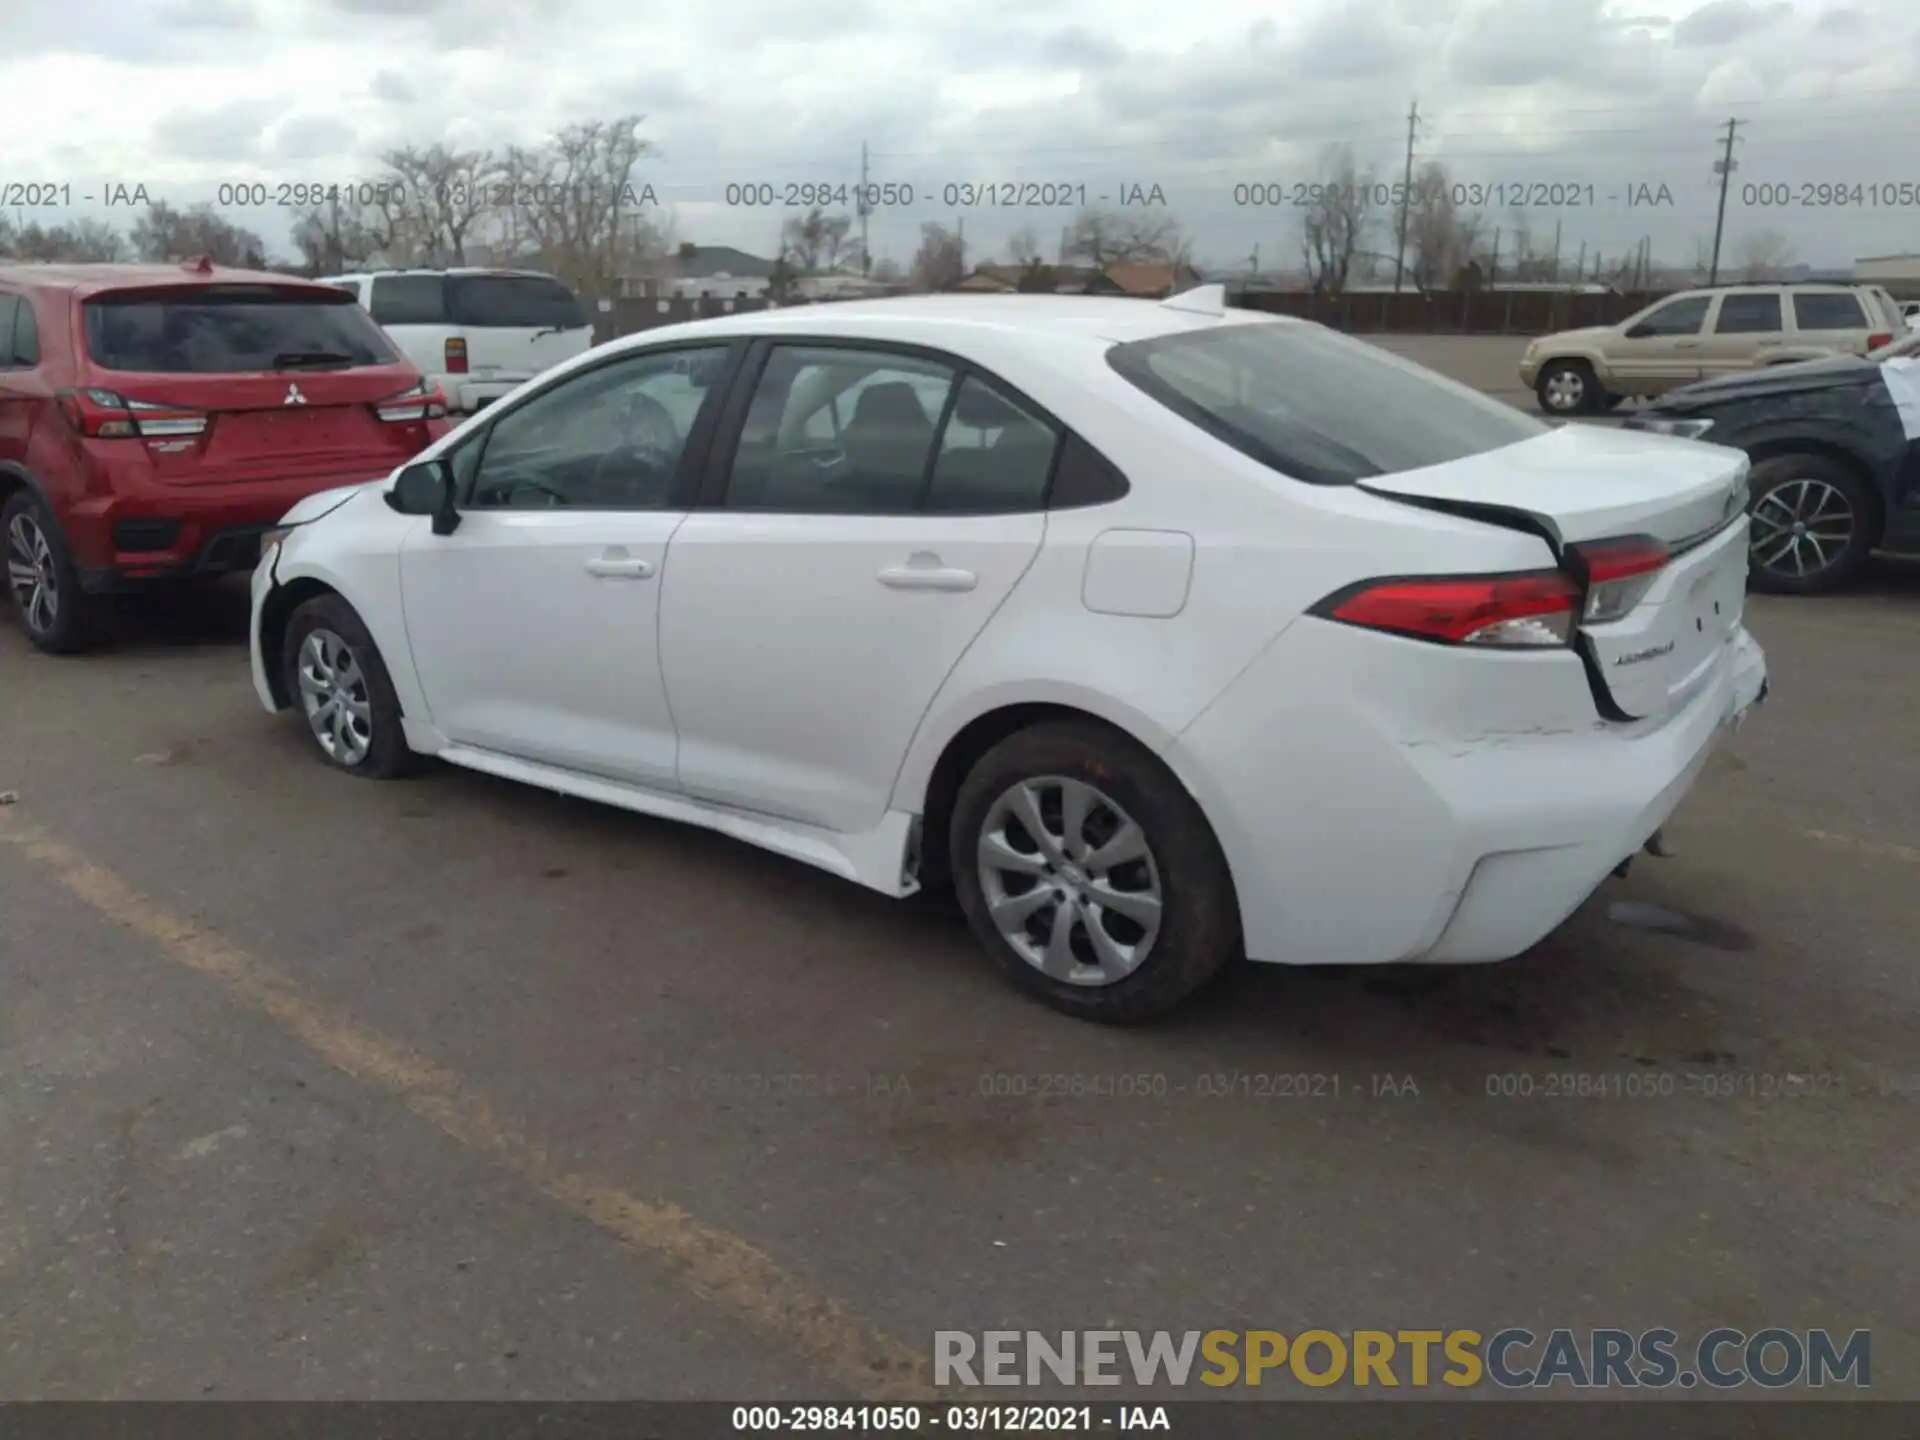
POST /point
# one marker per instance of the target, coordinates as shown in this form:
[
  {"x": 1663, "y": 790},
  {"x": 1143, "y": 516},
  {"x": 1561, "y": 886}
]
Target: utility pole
[
  {"x": 1724, "y": 168},
  {"x": 1406, "y": 194},
  {"x": 866, "y": 209},
  {"x": 1253, "y": 266},
  {"x": 960, "y": 234},
  {"x": 1493, "y": 266}
]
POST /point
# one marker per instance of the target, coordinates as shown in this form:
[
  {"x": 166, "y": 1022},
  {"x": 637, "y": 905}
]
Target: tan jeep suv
[{"x": 1699, "y": 334}]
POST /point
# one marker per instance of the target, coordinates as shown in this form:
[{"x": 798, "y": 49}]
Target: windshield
[
  {"x": 230, "y": 329},
  {"x": 1317, "y": 405}
]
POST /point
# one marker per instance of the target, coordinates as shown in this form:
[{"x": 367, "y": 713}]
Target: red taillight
[
  {"x": 456, "y": 356},
  {"x": 1503, "y": 611},
  {"x": 103, "y": 415},
  {"x": 1618, "y": 574},
  {"x": 1874, "y": 342},
  {"x": 417, "y": 402}
]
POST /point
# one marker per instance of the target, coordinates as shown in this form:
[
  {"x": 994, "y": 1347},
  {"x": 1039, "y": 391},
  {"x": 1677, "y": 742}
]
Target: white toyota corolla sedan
[{"x": 1166, "y": 633}]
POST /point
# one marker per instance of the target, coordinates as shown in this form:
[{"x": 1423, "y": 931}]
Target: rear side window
[
  {"x": 26, "y": 336},
  {"x": 230, "y": 329},
  {"x": 1828, "y": 312},
  {"x": 520, "y": 302},
  {"x": 1748, "y": 315},
  {"x": 409, "y": 300},
  {"x": 8, "y": 305},
  {"x": 1317, "y": 405}
]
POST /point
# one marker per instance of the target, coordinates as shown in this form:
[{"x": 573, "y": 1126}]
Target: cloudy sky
[{"x": 1094, "y": 97}]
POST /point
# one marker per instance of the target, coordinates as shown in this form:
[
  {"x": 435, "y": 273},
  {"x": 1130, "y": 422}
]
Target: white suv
[{"x": 477, "y": 334}]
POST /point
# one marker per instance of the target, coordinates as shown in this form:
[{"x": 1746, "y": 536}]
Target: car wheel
[
  {"x": 1813, "y": 522},
  {"x": 43, "y": 580},
  {"x": 1091, "y": 874},
  {"x": 340, "y": 687},
  {"x": 1567, "y": 387}
]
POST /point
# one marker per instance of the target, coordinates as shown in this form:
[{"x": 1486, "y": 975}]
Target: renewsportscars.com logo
[{"x": 1513, "y": 1359}]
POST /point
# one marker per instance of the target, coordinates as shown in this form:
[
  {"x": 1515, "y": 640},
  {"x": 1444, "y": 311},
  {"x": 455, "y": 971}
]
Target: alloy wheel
[
  {"x": 31, "y": 574},
  {"x": 1566, "y": 390},
  {"x": 1800, "y": 527},
  {"x": 333, "y": 692},
  {"x": 1070, "y": 880}
]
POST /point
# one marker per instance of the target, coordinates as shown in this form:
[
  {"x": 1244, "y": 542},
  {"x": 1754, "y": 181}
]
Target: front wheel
[
  {"x": 1813, "y": 522},
  {"x": 1091, "y": 874},
  {"x": 1567, "y": 387},
  {"x": 341, "y": 689}
]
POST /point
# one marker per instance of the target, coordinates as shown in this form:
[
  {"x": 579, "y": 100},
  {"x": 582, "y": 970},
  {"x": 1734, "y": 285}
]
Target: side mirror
[{"x": 427, "y": 489}]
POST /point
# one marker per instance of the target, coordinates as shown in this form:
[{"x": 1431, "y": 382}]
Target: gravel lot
[{"x": 449, "y": 1088}]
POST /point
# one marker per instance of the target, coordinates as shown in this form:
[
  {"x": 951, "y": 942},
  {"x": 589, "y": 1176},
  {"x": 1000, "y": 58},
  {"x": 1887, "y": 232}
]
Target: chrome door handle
[
  {"x": 614, "y": 569},
  {"x": 927, "y": 577},
  {"x": 1686, "y": 344}
]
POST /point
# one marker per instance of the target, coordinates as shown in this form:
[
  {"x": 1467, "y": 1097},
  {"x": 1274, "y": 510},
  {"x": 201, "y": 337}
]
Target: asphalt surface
[{"x": 312, "y": 1087}]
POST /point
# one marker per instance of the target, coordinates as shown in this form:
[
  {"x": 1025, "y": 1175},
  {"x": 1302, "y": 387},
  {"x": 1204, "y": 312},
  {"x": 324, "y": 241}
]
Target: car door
[
  {"x": 1748, "y": 330},
  {"x": 532, "y": 624},
  {"x": 19, "y": 392},
  {"x": 811, "y": 614},
  {"x": 1661, "y": 350}
]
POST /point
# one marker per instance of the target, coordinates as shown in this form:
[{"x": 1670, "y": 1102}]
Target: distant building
[
  {"x": 1143, "y": 281},
  {"x": 694, "y": 271},
  {"x": 1899, "y": 273}
]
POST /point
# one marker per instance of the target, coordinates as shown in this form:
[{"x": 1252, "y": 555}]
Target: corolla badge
[
  {"x": 294, "y": 397},
  {"x": 1651, "y": 653}
]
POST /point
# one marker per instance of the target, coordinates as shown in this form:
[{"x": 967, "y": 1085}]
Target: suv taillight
[
  {"x": 103, "y": 415},
  {"x": 456, "y": 356},
  {"x": 1874, "y": 342},
  {"x": 418, "y": 402}
]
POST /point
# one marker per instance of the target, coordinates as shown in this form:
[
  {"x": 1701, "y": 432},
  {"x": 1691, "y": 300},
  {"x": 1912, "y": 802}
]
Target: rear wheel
[
  {"x": 1567, "y": 387},
  {"x": 1813, "y": 524},
  {"x": 1092, "y": 876},
  {"x": 340, "y": 686},
  {"x": 43, "y": 580}
]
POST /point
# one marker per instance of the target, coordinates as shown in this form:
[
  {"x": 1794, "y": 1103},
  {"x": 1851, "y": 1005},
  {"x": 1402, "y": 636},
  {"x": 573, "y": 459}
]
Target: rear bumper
[
  {"x": 1365, "y": 820},
  {"x": 159, "y": 534},
  {"x": 465, "y": 395}
]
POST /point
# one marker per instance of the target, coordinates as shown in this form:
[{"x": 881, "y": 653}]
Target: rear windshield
[
  {"x": 512, "y": 301},
  {"x": 1318, "y": 405},
  {"x": 230, "y": 329}
]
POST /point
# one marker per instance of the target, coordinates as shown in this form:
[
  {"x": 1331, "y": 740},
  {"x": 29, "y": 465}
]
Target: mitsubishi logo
[{"x": 294, "y": 397}]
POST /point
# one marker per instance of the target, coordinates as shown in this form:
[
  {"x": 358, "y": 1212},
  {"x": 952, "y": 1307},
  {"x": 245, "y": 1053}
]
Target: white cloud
[{"x": 187, "y": 94}]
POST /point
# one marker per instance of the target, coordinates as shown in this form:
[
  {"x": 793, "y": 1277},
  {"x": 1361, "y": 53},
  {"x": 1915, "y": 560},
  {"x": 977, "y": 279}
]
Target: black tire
[
  {"x": 1611, "y": 401},
  {"x": 1578, "y": 379},
  {"x": 1780, "y": 477},
  {"x": 386, "y": 755},
  {"x": 74, "y": 624},
  {"x": 1199, "y": 930}
]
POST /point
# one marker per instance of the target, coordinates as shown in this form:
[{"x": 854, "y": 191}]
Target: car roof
[
  {"x": 944, "y": 321},
  {"x": 494, "y": 270},
  {"x": 86, "y": 280}
]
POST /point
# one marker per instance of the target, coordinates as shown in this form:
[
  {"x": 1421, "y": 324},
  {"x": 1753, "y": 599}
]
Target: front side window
[
  {"x": 1748, "y": 315},
  {"x": 1676, "y": 317},
  {"x": 26, "y": 336},
  {"x": 1318, "y": 405},
  {"x": 231, "y": 329},
  {"x": 839, "y": 431},
  {"x": 611, "y": 438},
  {"x": 1828, "y": 312}
]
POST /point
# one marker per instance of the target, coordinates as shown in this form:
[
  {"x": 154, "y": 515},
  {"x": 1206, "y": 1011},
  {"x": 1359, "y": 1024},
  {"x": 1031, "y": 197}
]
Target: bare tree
[
  {"x": 164, "y": 233},
  {"x": 84, "y": 241},
  {"x": 817, "y": 243},
  {"x": 1441, "y": 240},
  {"x": 1100, "y": 238},
  {"x": 344, "y": 234},
  {"x": 1024, "y": 248},
  {"x": 1337, "y": 219},
  {"x": 440, "y": 197},
  {"x": 1765, "y": 255},
  {"x": 574, "y": 204},
  {"x": 939, "y": 263}
]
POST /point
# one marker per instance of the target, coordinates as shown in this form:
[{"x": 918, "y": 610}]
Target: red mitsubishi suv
[{"x": 156, "y": 419}]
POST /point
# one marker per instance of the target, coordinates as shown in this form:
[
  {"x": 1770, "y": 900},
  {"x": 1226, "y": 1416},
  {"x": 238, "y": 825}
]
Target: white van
[{"x": 477, "y": 334}]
